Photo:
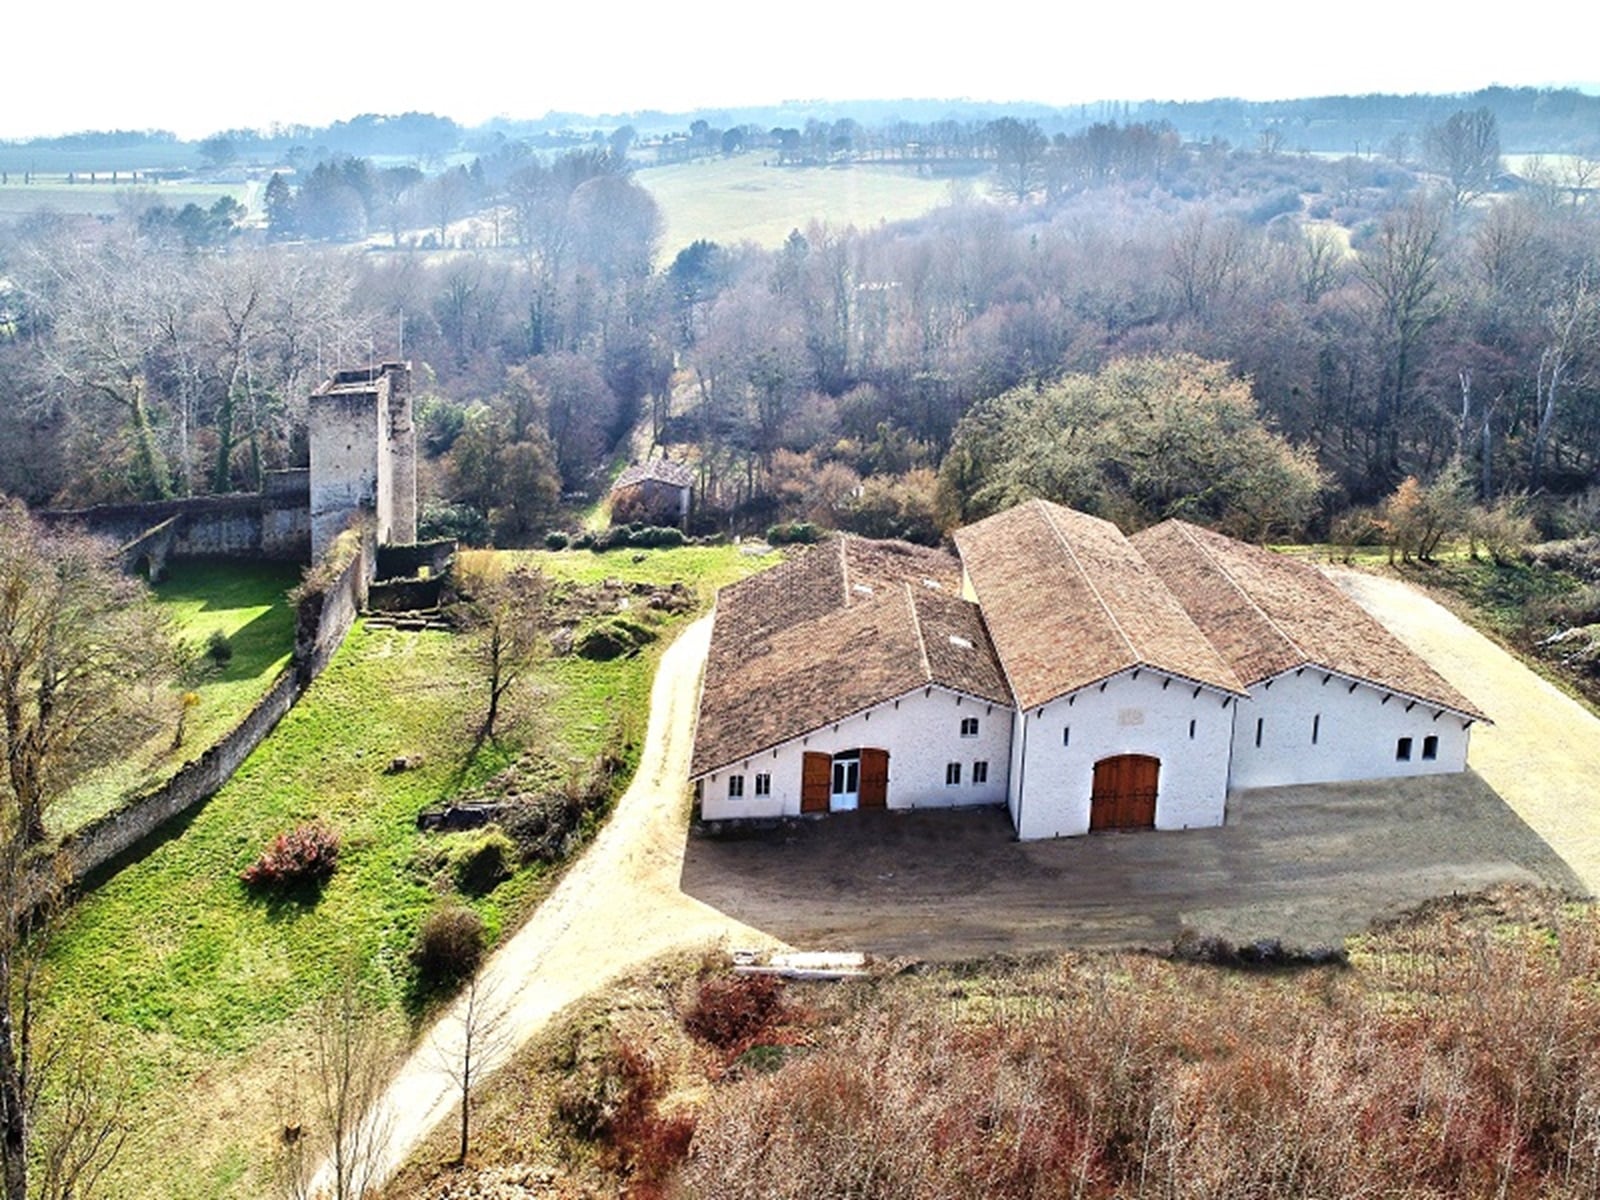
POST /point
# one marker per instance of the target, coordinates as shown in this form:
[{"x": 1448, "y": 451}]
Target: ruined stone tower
[{"x": 363, "y": 455}]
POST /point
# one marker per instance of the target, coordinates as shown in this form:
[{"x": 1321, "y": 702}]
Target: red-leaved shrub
[
  {"x": 729, "y": 1013},
  {"x": 306, "y": 854}
]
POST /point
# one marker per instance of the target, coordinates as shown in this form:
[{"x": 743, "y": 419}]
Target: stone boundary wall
[{"x": 324, "y": 615}]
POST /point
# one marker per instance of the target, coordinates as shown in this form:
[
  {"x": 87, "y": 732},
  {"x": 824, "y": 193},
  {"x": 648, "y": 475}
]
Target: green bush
[
  {"x": 612, "y": 639},
  {"x": 219, "y": 648},
  {"x": 792, "y": 533},
  {"x": 556, "y": 540},
  {"x": 460, "y": 521},
  {"x": 480, "y": 859}
]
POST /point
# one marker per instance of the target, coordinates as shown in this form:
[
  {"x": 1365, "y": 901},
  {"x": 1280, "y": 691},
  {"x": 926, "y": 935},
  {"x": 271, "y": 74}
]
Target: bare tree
[
  {"x": 471, "y": 1044},
  {"x": 1019, "y": 151},
  {"x": 80, "y": 1119},
  {"x": 1571, "y": 321},
  {"x": 338, "y": 1109},
  {"x": 84, "y": 660},
  {"x": 1466, "y": 151},
  {"x": 504, "y": 609}
]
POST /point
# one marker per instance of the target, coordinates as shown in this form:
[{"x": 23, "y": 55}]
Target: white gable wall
[
  {"x": 922, "y": 733},
  {"x": 1136, "y": 712},
  {"x": 1356, "y": 731}
]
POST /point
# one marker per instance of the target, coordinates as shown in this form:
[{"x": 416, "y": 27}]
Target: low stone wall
[
  {"x": 406, "y": 562},
  {"x": 147, "y": 554},
  {"x": 276, "y": 524},
  {"x": 97, "y": 843},
  {"x": 324, "y": 616}
]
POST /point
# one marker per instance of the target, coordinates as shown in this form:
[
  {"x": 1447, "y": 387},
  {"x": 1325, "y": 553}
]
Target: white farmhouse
[{"x": 1085, "y": 679}]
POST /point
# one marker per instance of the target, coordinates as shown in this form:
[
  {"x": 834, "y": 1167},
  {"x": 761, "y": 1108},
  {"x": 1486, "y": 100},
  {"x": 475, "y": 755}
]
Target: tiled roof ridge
[
  {"x": 916, "y": 627},
  {"x": 1050, "y": 520},
  {"x": 1187, "y": 531}
]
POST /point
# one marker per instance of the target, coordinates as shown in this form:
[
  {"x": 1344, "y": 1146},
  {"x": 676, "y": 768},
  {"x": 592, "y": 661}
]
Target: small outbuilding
[{"x": 657, "y": 491}]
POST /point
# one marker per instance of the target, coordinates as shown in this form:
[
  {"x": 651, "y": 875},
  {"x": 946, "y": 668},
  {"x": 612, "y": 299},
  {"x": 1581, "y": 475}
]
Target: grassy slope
[
  {"x": 737, "y": 199},
  {"x": 105, "y": 198},
  {"x": 205, "y": 990},
  {"x": 247, "y": 602}
]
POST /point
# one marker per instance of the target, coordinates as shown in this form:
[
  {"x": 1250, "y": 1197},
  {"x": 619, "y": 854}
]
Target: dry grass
[{"x": 1457, "y": 1054}]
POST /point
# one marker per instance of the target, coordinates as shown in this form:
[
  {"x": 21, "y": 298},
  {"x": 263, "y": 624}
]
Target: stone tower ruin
[{"x": 363, "y": 455}]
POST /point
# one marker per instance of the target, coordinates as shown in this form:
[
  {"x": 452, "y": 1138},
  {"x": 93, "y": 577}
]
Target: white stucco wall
[
  {"x": 1132, "y": 715},
  {"x": 922, "y": 733},
  {"x": 1357, "y": 733}
]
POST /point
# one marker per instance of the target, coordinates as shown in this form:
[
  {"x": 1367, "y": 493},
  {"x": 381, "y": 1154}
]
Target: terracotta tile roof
[
  {"x": 1069, "y": 602},
  {"x": 839, "y": 628},
  {"x": 1267, "y": 613},
  {"x": 658, "y": 470}
]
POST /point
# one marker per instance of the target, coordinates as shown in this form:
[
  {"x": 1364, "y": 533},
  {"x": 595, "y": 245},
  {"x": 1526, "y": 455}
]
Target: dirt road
[
  {"x": 620, "y": 905},
  {"x": 1543, "y": 752}
]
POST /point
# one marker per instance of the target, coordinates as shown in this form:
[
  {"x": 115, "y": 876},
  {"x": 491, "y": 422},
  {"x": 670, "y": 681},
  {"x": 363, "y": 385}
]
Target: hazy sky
[{"x": 196, "y": 68}]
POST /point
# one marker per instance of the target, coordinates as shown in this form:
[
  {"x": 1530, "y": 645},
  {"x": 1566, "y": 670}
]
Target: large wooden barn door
[
  {"x": 1124, "y": 792},
  {"x": 874, "y": 778},
  {"x": 816, "y": 776}
]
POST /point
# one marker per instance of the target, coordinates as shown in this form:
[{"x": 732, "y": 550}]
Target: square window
[
  {"x": 735, "y": 786},
  {"x": 969, "y": 726},
  {"x": 980, "y": 773},
  {"x": 1402, "y": 750},
  {"x": 763, "y": 785},
  {"x": 1430, "y": 747},
  {"x": 952, "y": 774}
]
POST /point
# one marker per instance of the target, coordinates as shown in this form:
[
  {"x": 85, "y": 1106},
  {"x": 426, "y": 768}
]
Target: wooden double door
[
  {"x": 1125, "y": 792},
  {"x": 847, "y": 780}
]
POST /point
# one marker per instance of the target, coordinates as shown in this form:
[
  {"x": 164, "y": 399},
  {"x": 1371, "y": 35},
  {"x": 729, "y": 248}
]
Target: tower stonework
[{"x": 363, "y": 455}]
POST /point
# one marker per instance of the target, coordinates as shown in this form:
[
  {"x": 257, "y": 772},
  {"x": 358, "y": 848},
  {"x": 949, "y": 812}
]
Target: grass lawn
[
  {"x": 205, "y": 991},
  {"x": 102, "y": 199},
  {"x": 731, "y": 200},
  {"x": 245, "y": 601}
]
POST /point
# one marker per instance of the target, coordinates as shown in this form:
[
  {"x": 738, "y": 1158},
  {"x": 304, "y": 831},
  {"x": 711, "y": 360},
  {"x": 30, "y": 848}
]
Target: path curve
[
  {"x": 617, "y": 907},
  {"x": 1542, "y": 754}
]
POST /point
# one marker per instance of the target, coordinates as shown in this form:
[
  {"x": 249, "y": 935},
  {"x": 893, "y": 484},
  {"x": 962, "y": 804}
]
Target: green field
[
  {"x": 205, "y": 991},
  {"x": 55, "y": 194},
  {"x": 245, "y": 601},
  {"x": 731, "y": 200}
]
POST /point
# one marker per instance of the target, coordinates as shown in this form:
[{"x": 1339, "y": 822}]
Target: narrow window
[
  {"x": 1430, "y": 747},
  {"x": 952, "y": 774},
  {"x": 735, "y": 786},
  {"x": 1316, "y": 728},
  {"x": 1066, "y": 735},
  {"x": 1402, "y": 750},
  {"x": 969, "y": 726},
  {"x": 980, "y": 773},
  {"x": 1191, "y": 729},
  {"x": 763, "y": 785},
  {"x": 1260, "y": 722}
]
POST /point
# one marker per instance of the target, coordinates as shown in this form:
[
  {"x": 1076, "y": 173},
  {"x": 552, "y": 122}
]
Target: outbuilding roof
[
  {"x": 839, "y": 628},
  {"x": 1069, "y": 602},
  {"x": 1266, "y": 614},
  {"x": 655, "y": 470}
]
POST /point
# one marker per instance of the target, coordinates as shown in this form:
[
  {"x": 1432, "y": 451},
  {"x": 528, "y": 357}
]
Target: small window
[
  {"x": 1316, "y": 728},
  {"x": 763, "y": 785},
  {"x": 1066, "y": 735},
  {"x": 980, "y": 773},
  {"x": 1260, "y": 724},
  {"x": 735, "y": 786},
  {"x": 1402, "y": 750},
  {"x": 1430, "y": 747},
  {"x": 969, "y": 726},
  {"x": 952, "y": 774},
  {"x": 1191, "y": 729}
]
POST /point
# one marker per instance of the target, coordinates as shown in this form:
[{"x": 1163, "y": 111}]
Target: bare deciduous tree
[
  {"x": 470, "y": 1044},
  {"x": 504, "y": 608},
  {"x": 337, "y": 1108}
]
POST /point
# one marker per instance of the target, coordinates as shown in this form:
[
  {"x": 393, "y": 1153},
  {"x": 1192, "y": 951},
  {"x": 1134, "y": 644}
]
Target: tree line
[{"x": 1382, "y": 319}]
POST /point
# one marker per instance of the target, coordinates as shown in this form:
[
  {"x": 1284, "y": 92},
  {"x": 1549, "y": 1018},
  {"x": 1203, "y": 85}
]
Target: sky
[{"x": 197, "y": 68}]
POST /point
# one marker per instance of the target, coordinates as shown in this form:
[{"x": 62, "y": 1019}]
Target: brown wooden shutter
[
  {"x": 816, "y": 779},
  {"x": 874, "y": 778}
]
